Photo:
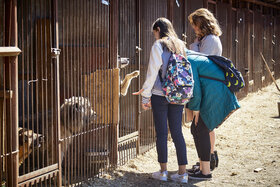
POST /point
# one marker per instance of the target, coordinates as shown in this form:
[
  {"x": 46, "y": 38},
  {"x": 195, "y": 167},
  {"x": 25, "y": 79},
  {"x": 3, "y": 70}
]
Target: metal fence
[{"x": 74, "y": 116}]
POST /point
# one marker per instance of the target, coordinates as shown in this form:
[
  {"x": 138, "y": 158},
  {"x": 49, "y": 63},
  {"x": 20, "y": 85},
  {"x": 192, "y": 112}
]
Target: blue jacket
[{"x": 212, "y": 98}]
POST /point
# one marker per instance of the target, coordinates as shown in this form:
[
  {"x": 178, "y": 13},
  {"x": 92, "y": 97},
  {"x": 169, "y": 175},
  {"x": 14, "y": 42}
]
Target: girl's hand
[
  {"x": 189, "y": 115},
  {"x": 196, "y": 116},
  {"x": 139, "y": 92},
  {"x": 146, "y": 106}
]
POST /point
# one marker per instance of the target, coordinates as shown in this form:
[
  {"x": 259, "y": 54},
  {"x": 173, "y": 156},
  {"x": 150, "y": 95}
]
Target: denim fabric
[{"x": 163, "y": 111}]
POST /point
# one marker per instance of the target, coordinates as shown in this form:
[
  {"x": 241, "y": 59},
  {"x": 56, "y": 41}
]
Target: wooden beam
[
  {"x": 11, "y": 80},
  {"x": 128, "y": 137},
  {"x": 9, "y": 51},
  {"x": 262, "y": 4}
]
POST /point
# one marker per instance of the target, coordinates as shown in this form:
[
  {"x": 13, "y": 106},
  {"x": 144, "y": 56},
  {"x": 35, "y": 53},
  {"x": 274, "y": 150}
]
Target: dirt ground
[{"x": 249, "y": 139}]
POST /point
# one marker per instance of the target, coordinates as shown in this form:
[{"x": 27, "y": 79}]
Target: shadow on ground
[{"x": 124, "y": 178}]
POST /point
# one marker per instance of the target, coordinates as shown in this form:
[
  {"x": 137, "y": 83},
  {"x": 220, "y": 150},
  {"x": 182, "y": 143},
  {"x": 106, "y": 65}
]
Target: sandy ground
[{"x": 249, "y": 139}]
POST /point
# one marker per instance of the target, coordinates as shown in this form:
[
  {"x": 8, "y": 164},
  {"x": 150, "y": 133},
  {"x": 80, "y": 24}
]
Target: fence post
[
  {"x": 11, "y": 82},
  {"x": 113, "y": 54},
  {"x": 55, "y": 59}
]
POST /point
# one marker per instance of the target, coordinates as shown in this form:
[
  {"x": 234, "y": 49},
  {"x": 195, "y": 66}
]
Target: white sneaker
[
  {"x": 160, "y": 175},
  {"x": 180, "y": 178}
]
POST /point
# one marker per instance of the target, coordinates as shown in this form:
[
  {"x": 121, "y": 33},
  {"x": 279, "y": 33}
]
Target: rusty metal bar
[
  {"x": 2, "y": 106},
  {"x": 57, "y": 93}
]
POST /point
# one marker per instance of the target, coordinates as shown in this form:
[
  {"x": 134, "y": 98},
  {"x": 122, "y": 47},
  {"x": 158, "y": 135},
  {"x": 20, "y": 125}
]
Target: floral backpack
[{"x": 178, "y": 83}]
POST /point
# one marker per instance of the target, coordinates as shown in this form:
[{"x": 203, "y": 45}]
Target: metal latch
[
  {"x": 138, "y": 49},
  {"x": 55, "y": 52}
]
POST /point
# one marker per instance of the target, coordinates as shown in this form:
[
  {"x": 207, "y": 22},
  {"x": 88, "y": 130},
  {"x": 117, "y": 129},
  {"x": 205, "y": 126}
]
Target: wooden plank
[
  {"x": 191, "y": 7},
  {"x": 258, "y": 46},
  {"x": 128, "y": 137},
  {"x": 9, "y": 51},
  {"x": 105, "y": 104},
  {"x": 179, "y": 18},
  {"x": 262, "y": 4},
  {"x": 223, "y": 17},
  {"x": 247, "y": 48},
  {"x": 233, "y": 50},
  {"x": 268, "y": 47},
  {"x": 43, "y": 61},
  {"x": 37, "y": 173},
  {"x": 241, "y": 62},
  {"x": 39, "y": 178},
  {"x": 276, "y": 54}
]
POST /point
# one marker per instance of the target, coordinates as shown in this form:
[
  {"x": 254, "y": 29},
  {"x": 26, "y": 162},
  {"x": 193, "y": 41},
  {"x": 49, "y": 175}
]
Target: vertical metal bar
[
  {"x": 77, "y": 116},
  {"x": 99, "y": 75},
  {"x": 86, "y": 73},
  {"x": 82, "y": 90},
  {"x": 65, "y": 74},
  {"x": 138, "y": 60},
  {"x": 52, "y": 85},
  {"x": 70, "y": 121},
  {"x": 28, "y": 75},
  {"x": 23, "y": 43},
  {"x": 39, "y": 71},
  {"x": 37, "y": 56},
  {"x": 89, "y": 90},
  {"x": 32, "y": 84},
  {"x": 106, "y": 76},
  {"x": 69, "y": 65},
  {"x": 57, "y": 90},
  {"x": 70, "y": 118}
]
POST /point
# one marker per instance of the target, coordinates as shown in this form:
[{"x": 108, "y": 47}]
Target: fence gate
[
  {"x": 38, "y": 93},
  {"x": 129, "y": 104}
]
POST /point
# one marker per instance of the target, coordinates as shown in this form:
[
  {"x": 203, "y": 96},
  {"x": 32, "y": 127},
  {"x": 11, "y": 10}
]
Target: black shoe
[
  {"x": 195, "y": 168},
  {"x": 212, "y": 162},
  {"x": 217, "y": 158},
  {"x": 200, "y": 176}
]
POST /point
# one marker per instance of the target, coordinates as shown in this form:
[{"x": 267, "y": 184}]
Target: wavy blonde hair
[
  {"x": 168, "y": 36},
  {"x": 206, "y": 22}
]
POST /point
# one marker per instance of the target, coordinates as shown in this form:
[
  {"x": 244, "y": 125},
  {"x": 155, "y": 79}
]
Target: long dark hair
[{"x": 168, "y": 36}]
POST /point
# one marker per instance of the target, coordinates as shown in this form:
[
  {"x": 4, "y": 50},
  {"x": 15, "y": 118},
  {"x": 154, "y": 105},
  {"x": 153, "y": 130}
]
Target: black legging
[{"x": 201, "y": 139}]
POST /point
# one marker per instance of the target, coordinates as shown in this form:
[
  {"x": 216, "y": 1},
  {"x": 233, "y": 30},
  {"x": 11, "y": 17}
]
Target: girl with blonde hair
[
  {"x": 207, "y": 31},
  {"x": 207, "y": 41}
]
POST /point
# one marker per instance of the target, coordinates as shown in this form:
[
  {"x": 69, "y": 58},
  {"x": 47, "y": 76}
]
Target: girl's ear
[{"x": 158, "y": 29}]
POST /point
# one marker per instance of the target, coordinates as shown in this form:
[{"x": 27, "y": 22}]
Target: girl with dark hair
[{"x": 166, "y": 43}]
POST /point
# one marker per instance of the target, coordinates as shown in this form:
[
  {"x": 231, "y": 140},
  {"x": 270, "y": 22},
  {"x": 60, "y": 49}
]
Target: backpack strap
[
  {"x": 202, "y": 76},
  {"x": 160, "y": 78},
  {"x": 212, "y": 78}
]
